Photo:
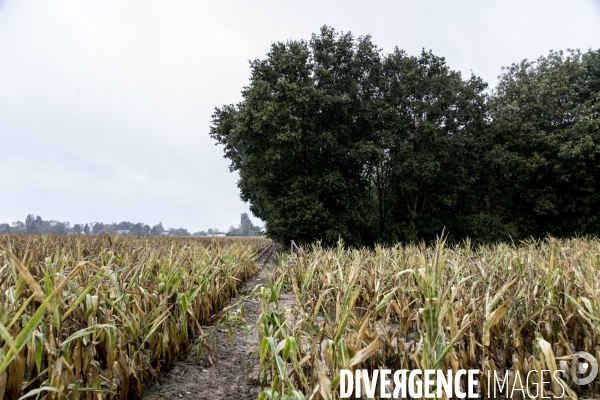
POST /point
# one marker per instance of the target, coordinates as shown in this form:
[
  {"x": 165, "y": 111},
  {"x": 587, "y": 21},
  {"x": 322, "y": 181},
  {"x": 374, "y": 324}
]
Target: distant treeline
[
  {"x": 37, "y": 225},
  {"x": 335, "y": 139}
]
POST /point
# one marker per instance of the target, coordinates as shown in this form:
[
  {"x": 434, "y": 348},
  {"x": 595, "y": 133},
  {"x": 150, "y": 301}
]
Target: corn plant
[
  {"x": 497, "y": 308},
  {"x": 101, "y": 317}
]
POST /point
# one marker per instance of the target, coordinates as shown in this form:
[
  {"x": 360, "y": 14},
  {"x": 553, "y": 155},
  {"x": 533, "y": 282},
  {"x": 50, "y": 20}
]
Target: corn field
[
  {"x": 503, "y": 308},
  {"x": 101, "y": 317}
]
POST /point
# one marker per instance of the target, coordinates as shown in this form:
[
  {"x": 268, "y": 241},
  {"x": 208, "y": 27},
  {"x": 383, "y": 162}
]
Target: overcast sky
[{"x": 105, "y": 106}]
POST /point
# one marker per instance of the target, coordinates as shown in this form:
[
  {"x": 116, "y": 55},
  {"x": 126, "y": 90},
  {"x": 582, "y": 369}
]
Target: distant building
[
  {"x": 122, "y": 232},
  {"x": 217, "y": 234},
  {"x": 165, "y": 233}
]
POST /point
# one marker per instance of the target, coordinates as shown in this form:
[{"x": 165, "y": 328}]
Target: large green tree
[
  {"x": 430, "y": 135},
  {"x": 297, "y": 138},
  {"x": 546, "y": 127},
  {"x": 333, "y": 139}
]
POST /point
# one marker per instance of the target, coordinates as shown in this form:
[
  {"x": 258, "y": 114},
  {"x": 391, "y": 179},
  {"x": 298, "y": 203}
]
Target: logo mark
[{"x": 582, "y": 367}]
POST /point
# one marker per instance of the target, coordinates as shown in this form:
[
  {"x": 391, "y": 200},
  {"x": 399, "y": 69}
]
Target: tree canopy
[
  {"x": 545, "y": 122},
  {"x": 334, "y": 139}
]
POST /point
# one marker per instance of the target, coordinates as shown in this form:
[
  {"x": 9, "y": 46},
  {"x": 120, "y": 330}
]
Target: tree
[
  {"x": 139, "y": 229},
  {"x": 246, "y": 226},
  {"x": 157, "y": 229},
  {"x": 97, "y": 228},
  {"x": 18, "y": 227},
  {"x": 60, "y": 228},
  {"x": 29, "y": 223},
  {"x": 232, "y": 231},
  {"x": 179, "y": 232},
  {"x": 77, "y": 228},
  {"x": 429, "y": 133},
  {"x": 297, "y": 138},
  {"x": 33, "y": 224},
  {"x": 334, "y": 140},
  {"x": 86, "y": 229},
  {"x": 124, "y": 225},
  {"x": 546, "y": 125}
]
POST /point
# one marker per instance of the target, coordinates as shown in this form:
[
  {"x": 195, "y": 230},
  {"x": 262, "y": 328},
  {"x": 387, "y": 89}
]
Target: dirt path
[{"x": 225, "y": 378}]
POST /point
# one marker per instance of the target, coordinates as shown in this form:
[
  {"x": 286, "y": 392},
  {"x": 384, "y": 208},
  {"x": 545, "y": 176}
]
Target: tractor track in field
[{"x": 227, "y": 372}]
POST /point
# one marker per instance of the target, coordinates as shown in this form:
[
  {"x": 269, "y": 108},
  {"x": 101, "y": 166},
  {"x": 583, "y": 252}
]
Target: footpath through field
[{"x": 226, "y": 376}]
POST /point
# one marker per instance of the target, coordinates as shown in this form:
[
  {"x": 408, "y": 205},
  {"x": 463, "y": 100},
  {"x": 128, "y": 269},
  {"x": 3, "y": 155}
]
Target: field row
[{"x": 102, "y": 316}]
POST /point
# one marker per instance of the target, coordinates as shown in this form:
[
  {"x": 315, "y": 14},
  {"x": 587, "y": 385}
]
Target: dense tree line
[{"x": 335, "y": 139}]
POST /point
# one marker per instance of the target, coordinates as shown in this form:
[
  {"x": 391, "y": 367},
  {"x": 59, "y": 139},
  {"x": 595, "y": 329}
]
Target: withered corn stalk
[
  {"x": 101, "y": 317},
  {"x": 500, "y": 308}
]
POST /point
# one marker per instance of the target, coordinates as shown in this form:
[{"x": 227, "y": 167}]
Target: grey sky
[{"x": 105, "y": 106}]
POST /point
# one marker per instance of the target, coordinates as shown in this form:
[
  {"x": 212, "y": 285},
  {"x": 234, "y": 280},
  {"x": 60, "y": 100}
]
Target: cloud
[{"x": 105, "y": 106}]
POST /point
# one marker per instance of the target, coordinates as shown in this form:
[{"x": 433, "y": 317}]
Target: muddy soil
[{"x": 233, "y": 374}]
